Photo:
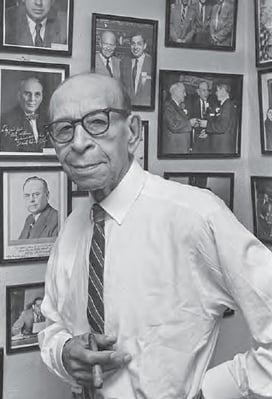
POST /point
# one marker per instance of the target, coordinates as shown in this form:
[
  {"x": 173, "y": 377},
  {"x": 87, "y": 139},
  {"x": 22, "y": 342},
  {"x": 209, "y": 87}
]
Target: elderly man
[
  {"x": 136, "y": 71},
  {"x": 106, "y": 62},
  {"x": 147, "y": 266},
  {"x": 22, "y": 127},
  {"x": 42, "y": 220},
  {"x": 35, "y": 24},
  {"x": 177, "y": 127}
]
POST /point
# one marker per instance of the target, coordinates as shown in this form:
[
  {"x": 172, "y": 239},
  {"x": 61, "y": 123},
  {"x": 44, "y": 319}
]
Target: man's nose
[
  {"x": 82, "y": 139},
  {"x": 39, "y": 2}
]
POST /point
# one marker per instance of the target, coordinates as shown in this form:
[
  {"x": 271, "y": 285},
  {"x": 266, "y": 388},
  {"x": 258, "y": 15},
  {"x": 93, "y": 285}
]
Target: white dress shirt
[
  {"x": 139, "y": 69},
  {"x": 175, "y": 258}
]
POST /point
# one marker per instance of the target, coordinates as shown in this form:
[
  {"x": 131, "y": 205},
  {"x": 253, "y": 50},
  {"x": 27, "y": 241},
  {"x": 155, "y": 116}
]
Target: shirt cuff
[{"x": 219, "y": 383}]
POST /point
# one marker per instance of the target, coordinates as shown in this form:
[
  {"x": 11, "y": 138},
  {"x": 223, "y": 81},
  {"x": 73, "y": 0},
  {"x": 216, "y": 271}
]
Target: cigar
[{"x": 96, "y": 368}]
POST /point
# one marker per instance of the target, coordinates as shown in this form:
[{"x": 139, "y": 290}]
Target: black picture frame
[
  {"x": 123, "y": 29},
  {"x": 23, "y": 239},
  {"x": 56, "y": 30},
  {"x": 177, "y": 137},
  {"x": 214, "y": 28},
  {"x": 263, "y": 33},
  {"x": 265, "y": 106},
  {"x": 21, "y": 326},
  {"x": 1, "y": 372},
  {"x": 261, "y": 194},
  {"x": 17, "y": 137},
  {"x": 220, "y": 183}
]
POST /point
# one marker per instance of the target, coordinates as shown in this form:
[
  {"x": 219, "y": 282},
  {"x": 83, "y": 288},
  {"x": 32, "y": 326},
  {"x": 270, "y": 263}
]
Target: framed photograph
[
  {"x": 261, "y": 191},
  {"x": 221, "y": 184},
  {"x": 25, "y": 92},
  {"x": 41, "y": 28},
  {"x": 263, "y": 32},
  {"x": 199, "y": 115},
  {"x": 1, "y": 371},
  {"x": 30, "y": 229},
  {"x": 201, "y": 24},
  {"x": 265, "y": 104},
  {"x": 126, "y": 49},
  {"x": 24, "y": 317}
]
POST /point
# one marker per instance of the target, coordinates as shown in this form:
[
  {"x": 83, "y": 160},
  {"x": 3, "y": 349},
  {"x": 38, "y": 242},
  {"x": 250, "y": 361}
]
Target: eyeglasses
[{"x": 95, "y": 123}]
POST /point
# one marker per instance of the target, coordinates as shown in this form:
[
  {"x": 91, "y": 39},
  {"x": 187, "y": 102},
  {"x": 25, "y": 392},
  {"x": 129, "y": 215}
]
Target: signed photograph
[
  {"x": 24, "y": 317},
  {"x": 265, "y": 106},
  {"x": 200, "y": 115},
  {"x": 261, "y": 191},
  {"x": 30, "y": 229},
  {"x": 25, "y": 90},
  {"x": 201, "y": 24},
  {"x": 126, "y": 48},
  {"x": 41, "y": 27},
  {"x": 221, "y": 184}
]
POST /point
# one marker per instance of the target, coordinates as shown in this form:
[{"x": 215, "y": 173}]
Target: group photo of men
[
  {"x": 202, "y": 23},
  {"x": 199, "y": 114},
  {"x": 126, "y": 51}
]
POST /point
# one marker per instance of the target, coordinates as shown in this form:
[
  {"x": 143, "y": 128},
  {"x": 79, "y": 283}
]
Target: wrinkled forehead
[{"x": 78, "y": 96}]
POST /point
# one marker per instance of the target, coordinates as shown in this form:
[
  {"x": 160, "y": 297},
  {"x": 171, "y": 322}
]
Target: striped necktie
[
  {"x": 38, "y": 38},
  {"x": 95, "y": 309}
]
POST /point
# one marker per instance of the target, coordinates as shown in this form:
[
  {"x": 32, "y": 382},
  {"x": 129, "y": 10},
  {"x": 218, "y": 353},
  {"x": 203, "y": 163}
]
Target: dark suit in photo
[
  {"x": 17, "y": 133},
  {"x": 100, "y": 66},
  {"x": 182, "y": 29},
  {"x": 17, "y": 31},
  {"x": 176, "y": 136},
  {"x": 222, "y": 129},
  {"x": 142, "y": 96},
  {"x": 221, "y": 25},
  {"x": 202, "y": 23},
  {"x": 46, "y": 225},
  {"x": 24, "y": 324}
]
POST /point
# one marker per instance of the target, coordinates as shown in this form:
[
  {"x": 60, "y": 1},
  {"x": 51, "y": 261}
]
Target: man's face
[
  {"x": 108, "y": 44},
  {"x": 137, "y": 46},
  {"x": 36, "y": 199},
  {"x": 37, "y": 307},
  {"x": 180, "y": 92},
  {"x": 30, "y": 96},
  {"x": 269, "y": 114},
  {"x": 96, "y": 164},
  {"x": 220, "y": 93},
  {"x": 38, "y": 9},
  {"x": 203, "y": 91}
]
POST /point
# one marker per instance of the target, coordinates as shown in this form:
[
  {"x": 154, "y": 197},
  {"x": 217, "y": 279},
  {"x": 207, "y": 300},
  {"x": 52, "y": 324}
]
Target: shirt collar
[
  {"x": 32, "y": 24},
  {"x": 120, "y": 200}
]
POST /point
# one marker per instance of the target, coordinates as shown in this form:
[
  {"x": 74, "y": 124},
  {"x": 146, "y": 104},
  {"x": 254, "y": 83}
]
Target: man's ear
[{"x": 135, "y": 132}]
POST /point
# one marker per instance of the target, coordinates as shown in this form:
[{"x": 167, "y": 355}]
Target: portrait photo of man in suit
[
  {"x": 22, "y": 127},
  {"x": 136, "y": 71},
  {"x": 182, "y": 18},
  {"x": 106, "y": 63},
  {"x": 221, "y": 25},
  {"x": 42, "y": 221},
  {"x": 36, "y": 24},
  {"x": 28, "y": 318}
]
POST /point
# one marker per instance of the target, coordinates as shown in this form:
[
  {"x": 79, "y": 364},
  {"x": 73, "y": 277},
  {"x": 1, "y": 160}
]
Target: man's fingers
[{"x": 104, "y": 341}]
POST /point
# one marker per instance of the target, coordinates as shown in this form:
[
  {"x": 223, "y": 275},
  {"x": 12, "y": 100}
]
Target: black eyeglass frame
[{"x": 124, "y": 112}]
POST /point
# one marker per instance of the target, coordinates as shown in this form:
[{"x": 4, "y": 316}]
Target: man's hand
[{"x": 78, "y": 359}]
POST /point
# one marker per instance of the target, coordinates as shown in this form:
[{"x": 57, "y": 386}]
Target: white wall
[{"x": 24, "y": 375}]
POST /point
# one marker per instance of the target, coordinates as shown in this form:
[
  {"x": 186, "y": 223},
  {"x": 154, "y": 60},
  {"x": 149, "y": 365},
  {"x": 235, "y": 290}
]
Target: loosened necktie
[
  {"x": 134, "y": 73},
  {"x": 109, "y": 67},
  {"x": 38, "y": 38},
  {"x": 95, "y": 309}
]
